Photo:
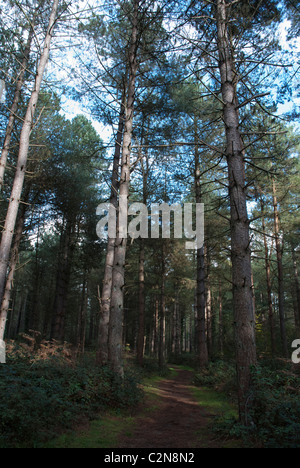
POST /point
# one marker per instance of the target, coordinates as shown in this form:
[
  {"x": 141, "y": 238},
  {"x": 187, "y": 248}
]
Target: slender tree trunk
[
  {"x": 162, "y": 326},
  {"x": 118, "y": 280},
  {"x": 15, "y": 197},
  {"x": 102, "y": 350},
  {"x": 209, "y": 317},
  {"x": 297, "y": 288},
  {"x": 38, "y": 273},
  {"x": 221, "y": 328},
  {"x": 15, "y": 104},
  {"x": 141, "y": 329},
  {"x": 62, "y": 282},
  {"x": 269, "y": 283},
  {"x": 156, "y": 327},
  {"x": 244, "y": 319},
  {"x": 201, "y": 318},
  {"x": 13, "y": 265},
  {"x": 208, "y": 304},
  {"x": 177, "y": 326},
  {"x": 200, "y": 304},
  {"x": 279, "y": 250},
  {"x": 82, "y": 316},
  {"x": 142, "y": 303}
]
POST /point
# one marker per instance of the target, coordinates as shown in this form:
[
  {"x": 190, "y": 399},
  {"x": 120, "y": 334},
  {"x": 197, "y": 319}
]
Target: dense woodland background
[{"x": 141, "y": 81}]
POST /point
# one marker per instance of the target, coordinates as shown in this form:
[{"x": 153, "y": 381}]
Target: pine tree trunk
[
  {"x": 177, "y": 327},
  {"x": 269, "y": 284},
  {"x": 244, "y": 319},
  {"x": 102, "y": 350},
  {"x": 142, "y": 303},
  {"x": 162, "y": 318},
  {"x": 200, "y": 284},
  {"x": 15, "y": 104},
  {"x": 201, "y": 319},
  {"x": 62, "y": 282},
  {"x": 155, "y": 328},
  {"x": 279, "y": 249},
  {"x": 82, "y": 315},
  {"x": 15, "y": 197},
  {"x": 141, "y": 329},
  {"x": 209, "y": 317},
  {"x": 118, "y": 279},
  {"x": 297, "y": 288},
  {"x": 221, "y": 328},
  {"x": 11, "y": 274}
]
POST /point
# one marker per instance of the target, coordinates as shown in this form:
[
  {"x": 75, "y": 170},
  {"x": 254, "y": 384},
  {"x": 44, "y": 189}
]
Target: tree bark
[
  {"x": 142, "y": 300},
  {"x": 279, "y": 250},
  {"x": 162, "y": 323},
  {"x": 200, "y": 286},
  {"x": 13, "y": 265},
  {"x": 244, "y": 319},
  {"x": 221, "y": 328},
  {"x": 209, "y": 317},
  {"x": 63, "y": 281},
  {"x": 154, "y": 346},
  {"x": 269, "y": 283},
  {"x": 82, "y": 315},
  {"x": 297, "y": 288},
  {"x": 177, "y": 326},
  {"x": 14, "y": 201},
  {"x": 141, "y": 329},
  {"x": 118, "y": 279},
  {"x": 102, "y": 349},
  {"x": 15, "y": 104}
]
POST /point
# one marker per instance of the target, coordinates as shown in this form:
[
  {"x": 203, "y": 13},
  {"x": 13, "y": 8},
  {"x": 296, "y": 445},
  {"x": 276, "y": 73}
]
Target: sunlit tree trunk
[
  {"x": 118, "y": 279},
  {"x": 12, "y": 269},
  {"x": 15, "y": 197},
  {"x": 14, "y": 107},
  {"x": 102, "y": 351}
]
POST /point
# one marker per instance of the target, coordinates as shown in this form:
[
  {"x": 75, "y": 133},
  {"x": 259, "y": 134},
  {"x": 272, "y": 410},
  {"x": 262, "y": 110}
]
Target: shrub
[
  {"x": 276, "y": 407},
  {"x": 274, "y": 414},
  {"x": 43, "y": 398},
  {"x": 219, "y": 375},
  {"x": 31, "y": 347},
  {"x": 184, "y": 359}
]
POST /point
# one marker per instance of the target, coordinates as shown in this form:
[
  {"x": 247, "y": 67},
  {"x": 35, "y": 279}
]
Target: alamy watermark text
[{"x": 139, "y": 221}]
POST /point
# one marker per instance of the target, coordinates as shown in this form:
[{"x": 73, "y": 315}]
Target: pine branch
[{"x": 253, "y": 98}]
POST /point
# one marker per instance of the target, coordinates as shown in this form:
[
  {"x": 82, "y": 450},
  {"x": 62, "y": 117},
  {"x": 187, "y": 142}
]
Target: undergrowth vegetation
[
  {"x": 47, "y": 390},
  {"x": 274, "y": 409},
  {"x": 41, "y": 398},
  {"x": 275, "y": 414}
]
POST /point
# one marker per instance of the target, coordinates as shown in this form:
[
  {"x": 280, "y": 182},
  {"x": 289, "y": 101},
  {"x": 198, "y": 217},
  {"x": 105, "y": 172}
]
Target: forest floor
[
  {"x": 174, "y": 414},
  {"x": 182, "y": 417}
]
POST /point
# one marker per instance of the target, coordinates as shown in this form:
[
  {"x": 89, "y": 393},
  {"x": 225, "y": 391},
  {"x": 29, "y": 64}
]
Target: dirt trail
[{"x": 178, "y": 421}]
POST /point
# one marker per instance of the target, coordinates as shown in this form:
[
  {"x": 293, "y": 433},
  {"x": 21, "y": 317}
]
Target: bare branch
[{"x": 253, "y": 98}]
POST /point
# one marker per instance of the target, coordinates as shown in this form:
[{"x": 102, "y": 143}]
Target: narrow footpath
[
  {"x": 173, "y": 415},
  {"x": 178, "y": 421}
]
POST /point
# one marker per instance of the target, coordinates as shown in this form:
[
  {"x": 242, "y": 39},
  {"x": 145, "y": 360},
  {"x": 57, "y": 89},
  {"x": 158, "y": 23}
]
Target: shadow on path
[{"x": 178, "y": 421}]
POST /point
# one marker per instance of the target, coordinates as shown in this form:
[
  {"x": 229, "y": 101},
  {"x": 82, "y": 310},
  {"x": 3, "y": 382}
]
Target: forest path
[
  {"x": 177, "y": 420},
  {"x": 174, "y": 414}
]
